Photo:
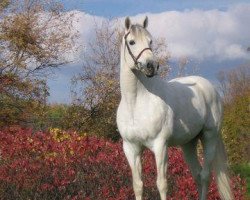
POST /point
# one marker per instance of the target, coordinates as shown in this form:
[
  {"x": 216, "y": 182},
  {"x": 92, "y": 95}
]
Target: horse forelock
[{"x": 138, "y": 31}]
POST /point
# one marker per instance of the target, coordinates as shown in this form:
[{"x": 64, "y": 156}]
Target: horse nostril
[
  {"x": 158, "y": 66},
  {"x": 149, "y": 65}
]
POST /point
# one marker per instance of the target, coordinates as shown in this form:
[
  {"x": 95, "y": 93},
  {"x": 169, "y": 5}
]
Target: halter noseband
[{"x": 135, "y": 59}]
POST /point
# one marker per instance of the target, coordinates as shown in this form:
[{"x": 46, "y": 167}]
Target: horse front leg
[
  {"x": 160, "y": 151},
  {"x": 133, "y": 154}
]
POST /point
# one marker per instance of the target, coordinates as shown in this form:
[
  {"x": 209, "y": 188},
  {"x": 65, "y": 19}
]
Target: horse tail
[{"x": 220, "y": 167}]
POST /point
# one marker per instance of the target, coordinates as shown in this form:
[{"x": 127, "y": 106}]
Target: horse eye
[
  {"x": 150, "y": 42},
  {"x": 131, "y": 42}
]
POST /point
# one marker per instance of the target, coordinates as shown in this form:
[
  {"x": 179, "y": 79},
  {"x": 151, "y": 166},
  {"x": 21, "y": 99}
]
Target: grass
[{"x": 244, "y": 171}]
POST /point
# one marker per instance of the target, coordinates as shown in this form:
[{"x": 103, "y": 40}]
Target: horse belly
[
  {"x": 182, "y": 133},
  {"x": 189, "y": 117},
  {"x": 188, "y": 124}
]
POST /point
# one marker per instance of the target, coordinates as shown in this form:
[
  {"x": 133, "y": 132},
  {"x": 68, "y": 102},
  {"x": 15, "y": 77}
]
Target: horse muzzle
[{"x": 150, "y": 69}]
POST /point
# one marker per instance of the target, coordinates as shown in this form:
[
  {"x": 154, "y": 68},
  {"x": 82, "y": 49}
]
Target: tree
[
  {"x": 184, "y": 68},
  {"x": 235, "y": 87},
  {"x": 234, "y": 83},
  {"x": 96, "y": 88},
  {"x": 35, "y": 36}
]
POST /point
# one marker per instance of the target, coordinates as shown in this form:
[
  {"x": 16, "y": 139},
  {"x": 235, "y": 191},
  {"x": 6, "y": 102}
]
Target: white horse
[{"x": 159, "y": 114}]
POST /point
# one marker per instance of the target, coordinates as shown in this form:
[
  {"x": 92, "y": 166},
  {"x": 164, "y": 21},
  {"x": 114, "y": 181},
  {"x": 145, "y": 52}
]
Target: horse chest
[{"x": 142, "y": 122}]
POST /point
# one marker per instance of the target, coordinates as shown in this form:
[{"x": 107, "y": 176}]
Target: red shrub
[{"x": 38, "y": 166}]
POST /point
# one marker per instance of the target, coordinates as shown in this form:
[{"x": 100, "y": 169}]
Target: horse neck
[{"x": 130, "y": 83}]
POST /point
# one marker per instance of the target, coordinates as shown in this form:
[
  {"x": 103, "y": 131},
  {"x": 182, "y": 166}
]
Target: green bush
[{"x": 236, "y": 129}]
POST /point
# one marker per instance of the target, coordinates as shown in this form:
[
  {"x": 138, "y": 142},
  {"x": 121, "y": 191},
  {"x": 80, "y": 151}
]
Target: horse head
[{"x": 138, "y": 48}]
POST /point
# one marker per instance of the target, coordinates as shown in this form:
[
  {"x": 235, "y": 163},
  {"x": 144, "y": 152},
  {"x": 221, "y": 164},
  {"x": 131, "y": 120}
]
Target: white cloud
[
  {"x": 85, "y": 25},
  {"x": 197, "y": 34},
  {"x": 207, "y": 36}
]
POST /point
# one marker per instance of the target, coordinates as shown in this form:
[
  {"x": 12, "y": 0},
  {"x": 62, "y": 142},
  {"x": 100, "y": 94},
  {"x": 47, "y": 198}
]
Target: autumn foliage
[
  {"x": 235, "y": 87},
  {"x": 63, "y": 165},
  {"x": 35, "y": 36}
]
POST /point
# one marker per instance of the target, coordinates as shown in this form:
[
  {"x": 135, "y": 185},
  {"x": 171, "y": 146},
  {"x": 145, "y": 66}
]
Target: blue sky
[
  {"x": 119, "y": 8},
  {"x": 212, "y": 33}
]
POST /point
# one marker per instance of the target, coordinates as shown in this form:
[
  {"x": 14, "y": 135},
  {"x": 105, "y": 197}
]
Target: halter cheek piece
[{"x": 135, "y": 59}]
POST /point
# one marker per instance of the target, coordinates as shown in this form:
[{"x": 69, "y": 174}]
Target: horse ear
[
  {"x": 145, "y": 23},
  {"x": 127, "y": 23}
]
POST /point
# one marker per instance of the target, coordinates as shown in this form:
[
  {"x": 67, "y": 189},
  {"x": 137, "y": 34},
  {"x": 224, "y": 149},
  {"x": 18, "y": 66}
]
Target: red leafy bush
[{"x": 37, "y": 166}]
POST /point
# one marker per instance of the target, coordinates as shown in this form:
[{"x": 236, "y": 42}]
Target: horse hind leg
[
  {"x": 191, "y": 158},
  {"x": 209, "y": 141}
]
